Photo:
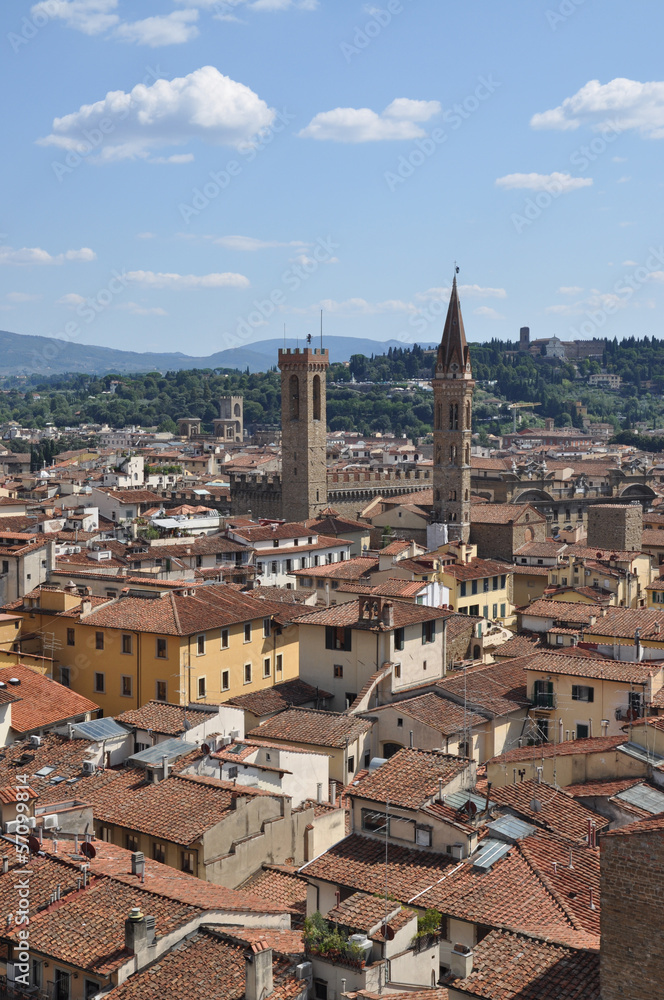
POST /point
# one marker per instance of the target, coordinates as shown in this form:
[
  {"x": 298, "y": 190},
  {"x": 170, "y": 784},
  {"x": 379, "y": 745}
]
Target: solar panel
[
  {"x": 99, "y": 729},
  {"x": 490, "y": 852},
  {"x": 171, "y": 749},
  {"x": 510, "y": 828},
  {"x": 43, "y": 772},
  {"x": 644, "y": 797}
]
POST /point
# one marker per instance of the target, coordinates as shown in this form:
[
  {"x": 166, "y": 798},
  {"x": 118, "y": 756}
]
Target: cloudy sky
[{"x": 190, "y": 175}]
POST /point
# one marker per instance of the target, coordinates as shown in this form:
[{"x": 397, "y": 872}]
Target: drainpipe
[{"x": 444, "y": 647}]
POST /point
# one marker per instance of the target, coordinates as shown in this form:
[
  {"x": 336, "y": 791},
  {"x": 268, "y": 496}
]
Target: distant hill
[{"x": 21, "y": 354}]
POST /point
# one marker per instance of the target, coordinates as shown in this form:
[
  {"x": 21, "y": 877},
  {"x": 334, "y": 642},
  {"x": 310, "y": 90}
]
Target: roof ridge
[
  {"x": 171, "y": 596},
  {"x": 549, "y": 888}
]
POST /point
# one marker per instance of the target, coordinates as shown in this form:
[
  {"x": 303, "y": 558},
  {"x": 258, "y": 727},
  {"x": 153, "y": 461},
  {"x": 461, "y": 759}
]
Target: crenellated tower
[
  {"x": 303, "y": 432},
  {"x": 453, "y": 387}
]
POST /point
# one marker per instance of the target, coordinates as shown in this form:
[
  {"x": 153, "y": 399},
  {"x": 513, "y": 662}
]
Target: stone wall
[{"x": 615, "y": 526}]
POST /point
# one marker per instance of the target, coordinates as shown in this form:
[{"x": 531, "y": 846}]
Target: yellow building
[
  {"x": 480, "y": 587},
  {"x": 199, "y": 644},
  {"x": 655, "y": 594},
  {"x": 622, "y": 577}
]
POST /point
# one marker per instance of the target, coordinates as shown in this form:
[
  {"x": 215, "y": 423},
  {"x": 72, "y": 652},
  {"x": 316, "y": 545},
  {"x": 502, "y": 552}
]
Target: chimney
[
  {"x": 164, "y": 761},
  {"x": 137, "y": 863},
  {"x": 258, "y": 971},
  {"x": 333, "y": 792},
  {"x": 136, "y": 936},
  {"x": 410, "y": 739},
  {"x": 5, "y": 865},
  {"x": 387, "y": 614},
  {"x": 86, "y": 606},
  {"x": 319, "y": 792},
  {"x": 461, "y": 961}
]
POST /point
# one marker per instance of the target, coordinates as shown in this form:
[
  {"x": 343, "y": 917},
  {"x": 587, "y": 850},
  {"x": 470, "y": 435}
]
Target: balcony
[{"x": 544, "y": 701}]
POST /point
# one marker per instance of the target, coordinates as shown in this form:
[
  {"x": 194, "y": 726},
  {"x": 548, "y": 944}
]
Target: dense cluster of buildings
[{"x": 307, "y": 717}]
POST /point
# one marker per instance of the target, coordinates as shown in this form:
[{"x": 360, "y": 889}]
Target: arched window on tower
[
  {"x": 468, "y": 420},
  {"x": 439, "y": 418},
  {"x": 316, "y": 395},
  {"x": 466, "y": 496},
  {"x": 454, "y": 416},
  {"x": 467, "y": 455},
  {"x": 294, "y": 397},
  {"x": 452, "y": 495},
  {"x": 453, "y": 454},
  {"x": 236, "y": 410}
]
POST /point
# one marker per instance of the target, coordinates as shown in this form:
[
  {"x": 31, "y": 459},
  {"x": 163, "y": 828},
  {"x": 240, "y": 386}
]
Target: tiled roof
[
  {"x": 359, "y": 863},
  {"x": 547, "y": 548},
  {"x": 519, "y": 645},
  {"x": 652, "y": 537},
  {"x": 657, "y": 584},
  {"x": 601, "y": 789},
  {"x": 564, "y": 611},
  {"x": 349, "y": 569},
  {"x": 101, "y": 910},
  {"x": 43, "y": 702},
  {"x": 410, "y": 778},
  {"x": 496, "y": 688},
  {"x": 432, "y": 710},
  {"x": 275, "y": 699},
  {"x": 162, "y": 717},
  {"x": 623, "y": 622},
  {"x": 478, "y": 568},
  {"x": 201, "y": 968},
  {"x": 364, "y": 912},
  {"x": 306, "y": 725},
  {"x": 348, "y": 616},
  {"x": 503, "y": 513},
  {"x": 279, "y": 887},
  {"x": 520, "y": 570},
  {"x": 593, "y": 744},
  {"x": 278, "y": 531},
  {"x": 512, "y": 967},
  {"x": 131, "y": 496},
  {"x": 336, "y": 524},
  {"x": 550, "y": 808},
  {"x": 582, "y": 666},
  {"x": 652, "y": 825}
]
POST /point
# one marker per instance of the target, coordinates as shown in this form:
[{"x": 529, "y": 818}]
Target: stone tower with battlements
[
  {"x": 453, "y": 387},
  {"x": 303, "y": 432}
]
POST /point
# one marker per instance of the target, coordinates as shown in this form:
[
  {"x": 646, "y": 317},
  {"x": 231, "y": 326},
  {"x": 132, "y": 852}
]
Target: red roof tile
[
  {"x": 43, "y": 702},
  {"x": 410, "y": 778},
  {"x": 306, "y": 725}
]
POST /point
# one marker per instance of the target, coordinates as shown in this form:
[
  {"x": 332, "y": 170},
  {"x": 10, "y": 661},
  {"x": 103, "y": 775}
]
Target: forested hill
[{"x": 370, "y": 394}]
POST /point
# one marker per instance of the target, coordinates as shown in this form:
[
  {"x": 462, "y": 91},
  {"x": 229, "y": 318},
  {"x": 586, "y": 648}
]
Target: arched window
[
  {"x": 452, "y": 495},
  {"x": 466, "y": 496},
  {"x": 294, "y": 396},
  {"x": 439, "y": 417},
  {"x": 316, "y": 395},
  {"x": 453, "y": 454},
  {"x": 454, "y": 416},
  {"x": 468, "y": 421},
  {"x": 236, "y": 410},
  {"x": 467, "y": 458}
]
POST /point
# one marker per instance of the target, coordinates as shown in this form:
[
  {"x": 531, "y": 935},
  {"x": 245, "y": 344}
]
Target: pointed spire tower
[{"x": 453, "y": 387}]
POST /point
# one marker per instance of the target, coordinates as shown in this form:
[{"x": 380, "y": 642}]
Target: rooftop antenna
[
  {"x": 321, "y": 329},
  {"x": 284, "y": 336}
]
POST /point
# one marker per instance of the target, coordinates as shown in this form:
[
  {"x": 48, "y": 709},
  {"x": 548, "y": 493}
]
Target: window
[
  {"x": 71, "y": 637},
  {"x": 320, "y": 989},
  {"x": 543, "y": 694},
  {"x": 397, "y": 670},
  {"x": 560, "y": 640},
  {"x": 5, "y": 566},
  {"x": 99, "y": 683},
  {"x": 99, "y": 640},
  {"x": 225, "y": 680},
  {"x": 351, "y": 765},
  {"x": 474, "y": 609},
  {"x": 338, "y": 638},
  {"x": 338, "y": 670},
  {"x": 160, "y": 690},
  {"x": 428, "y": 632},
  {"x": 91, "y": 989},
  {"x": 494, "y": 611},
  {"x": 200, "y": 687},
  {"x": 582, "y": 693},
  {"x": 65, "y": 676},
  {"x": 399, "y": 638},
  {"x": 131, "y": 842},
  {"x": 224, "y": 638},
  {"x": 275, "y": 543},
  {"x": 502, "y": 610},
  {"x": 462, "y": 589},
  {"x": 126, "y": 643},
  {"x": 247, "y": 673},
  {"x": 159, "y": 852},
  {"x": 280, "y": 662},
  {"x": 61, "y": 985},
  {"x": 126, "y": 686},
  {"x": 373, "y": 821},
  {"x": 188, "y": 862},
  {"x": 267, "y": 666},
  {"x": 485, "y": 585},
  {"x": 400, "y": 723},
  {"x": 200, "y": 645},
  {"x": 582, "y": 731},
  {"x": 473, "y": 586},
  {"x": 36, "y": 973},
  {"x": 274, "y": 568},
  {"x": 503, "y": 581},
  {"x": 247, "y": 632},
  {"x": 423, "y": 836},
  {"x": 494, "y": 582},
  {"x": 485, "y": 611},
  {"x": 267, "y": 627}
]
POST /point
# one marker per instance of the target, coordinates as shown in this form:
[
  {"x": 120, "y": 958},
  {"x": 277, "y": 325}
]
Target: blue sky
[{"x": 189, "y": 175}]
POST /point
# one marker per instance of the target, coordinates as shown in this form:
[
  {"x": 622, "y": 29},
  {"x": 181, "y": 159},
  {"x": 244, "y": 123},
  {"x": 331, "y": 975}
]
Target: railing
[{"x": 544, "y": 699}]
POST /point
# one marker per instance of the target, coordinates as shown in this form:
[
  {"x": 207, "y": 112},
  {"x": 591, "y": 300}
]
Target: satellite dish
[
  {"x": 88, "y": 849},
  {"x": 206, "y": 748},
  {"x": 33, "y": 845},
  {"x": 469, "y": 808}
]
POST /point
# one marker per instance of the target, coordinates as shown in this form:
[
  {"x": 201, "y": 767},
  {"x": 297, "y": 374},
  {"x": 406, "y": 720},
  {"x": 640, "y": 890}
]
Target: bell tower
[
  {"x": 453, "y": 387},
  {"x": 303, "y": 432}
]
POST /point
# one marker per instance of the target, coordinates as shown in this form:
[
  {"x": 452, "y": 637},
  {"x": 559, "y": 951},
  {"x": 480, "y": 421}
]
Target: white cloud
[
  {"x": 187, "y": 282},
  {"x": 554, "y": 183},
  {"x": 250, "y": 243},
  {"x": 35, "y": 255},
  {"x": 20, "y": 297},
  {"x": 630, "y": 263},
  {"x": 486, "y": 312},
  {"x": 620, "y": 105},
  {"x": 92, "y": 17},
  {"x": 203, "y": 105},
  {"x": 359, "y": 307},
  {"x": 470, "y": 291},
  {"x": 71, "y": 299},
  {"x": 605, "y": 301},
  {"x": 138, "y": 310},
  {"x": 169, "y": 29},
  {"x": 399, "y": 120},
  {"x": 224, "y": 8},
  {"x": 145, "y": 236},
  {"x": 177, "y": 158},
  {"x": 570, "y": 290}
]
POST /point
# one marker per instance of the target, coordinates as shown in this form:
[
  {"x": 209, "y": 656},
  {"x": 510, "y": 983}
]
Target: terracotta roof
[
  {"x": 563, "y": 611},
  {"x": 601, "y": 789},
  {"x": 496, "y": 688},
  {"x": 519, "y": 645},
  {"x": 593, "y": 744},
  {"x": 279, "y": 887},
  {"x": 410, "y": 778},
  {"x": 551, "y": 808},
  {"x": 511, "y": 967},
  {"x": 306, "y": 725},
  {"x": 131, "y": 496},
  {"x": 348, "y": 616},
  {"x": 43, "y": 702},
  {"x": 364, "y": 912},
  {"x": 503, "y": 513},
  {"x": 348, "y": 569},
  {"x": 163, "y": 717},
  {"x": 653, "y": 825},
  {"x": 653, "y": 537},
  {"x": 544, "y": 549},
  {"x": 478, "y": 569},
  {"x": 335, "y": 524},
  {"x": 260, "y": 533},
  {"x": 521, "y": 570},
  {"x": 583, "y": 666},
  {"x": 359, "y": 863},
  {"x": 389, "y": 588},
  {"x": 623, "y": 622},
  {"x": 275, "y": 699},
  {"x": 445, "y": 717}
]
